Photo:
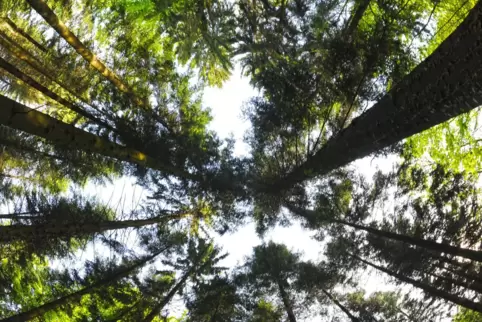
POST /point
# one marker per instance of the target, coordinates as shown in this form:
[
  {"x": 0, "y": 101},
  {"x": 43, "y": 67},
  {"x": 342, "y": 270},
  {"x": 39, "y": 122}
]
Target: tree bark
[
  {"x": 341, "y": 306},
  {"x": 361, "y": 7},
  {"x": 468, "y": 285},
  {"x": 9, "y": 234},
  {"x": 427, "y": 244},
  {"x": 22, "y": 54},
  {"x": 20, "y": 215},
  {"x": 433, "y": 291},
  {"x": 44, "y": 10},
  {"x": 286, "y": 302},
  {"x": 467, "y": 276},
  {"x": 23, "y": 118},
  {"x": 446, "y": 84},
  {"x": 44, "y": 90},
  {"x": 158, "y": 308},
  {"x": 6, "y": 22},
  {"x": 40, "y": 310}
]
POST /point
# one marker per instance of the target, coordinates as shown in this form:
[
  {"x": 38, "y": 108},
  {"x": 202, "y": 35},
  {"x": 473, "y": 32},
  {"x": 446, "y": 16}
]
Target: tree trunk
[
  {"x": 361, "y": 7},
  {"x": 468, "y": 285},
  {"x": 22, "y": 54},
  {"x": 43, "y": 9},
  {"x": 44, "y": 90},
  {"x": 286, "y": 302},
  {"x": 427, "y": 244},
  {"x": 467, "y": 276},
  {"x": 341, "y": 306},
  {"x": 9, "y": 234},
  {"x": 158, "y": 308},
  {"x": 23, "y": 118},
  {"x": 40, "y": 310},
  {"x": 432, "y": 291},
  {"x": 6, "y": 22},
  {"x": 446, "y": 84},
  {"x": 21, "y": 215}
]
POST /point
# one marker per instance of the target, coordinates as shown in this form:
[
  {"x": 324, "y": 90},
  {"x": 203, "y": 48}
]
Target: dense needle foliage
[{"x": 97, "y": 93}]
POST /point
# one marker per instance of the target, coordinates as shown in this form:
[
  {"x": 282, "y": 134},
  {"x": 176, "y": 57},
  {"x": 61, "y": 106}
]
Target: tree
[
  {"x": 405, "y": 97},
  {"x": 201, "y": 259},
  {"x": 215, "y": 300},
  {"x": 271, "y": 267},
  {"x": 427, "y": 288},
  {"x": 116, "y": 275}
]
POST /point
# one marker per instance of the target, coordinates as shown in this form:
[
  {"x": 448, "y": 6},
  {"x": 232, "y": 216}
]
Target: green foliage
[
  {"x": 466, "y": 315},
  {"x": 317, "y": 66}
]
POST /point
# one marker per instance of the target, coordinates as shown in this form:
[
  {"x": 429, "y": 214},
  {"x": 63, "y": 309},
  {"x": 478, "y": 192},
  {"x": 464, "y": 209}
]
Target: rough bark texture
[
  {"x": 341, "y": 306},
  {"x": 9, "y": 234},
  {"x": 40, "y": 310},
  {"x": 446, "y": 84},
  {"x": 20, "y": 117},
  {"x": 433, "y": 291},
  {"x": 43, "y": 9},
  {"x": 286, "y": 302},
  {"x": 427, "y": 244}
]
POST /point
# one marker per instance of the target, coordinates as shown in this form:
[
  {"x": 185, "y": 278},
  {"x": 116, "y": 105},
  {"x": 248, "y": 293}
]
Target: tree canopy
[{"x": 94, "y": 93}]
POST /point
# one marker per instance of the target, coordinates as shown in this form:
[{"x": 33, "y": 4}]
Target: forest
[{"x": 363, "y": 130}]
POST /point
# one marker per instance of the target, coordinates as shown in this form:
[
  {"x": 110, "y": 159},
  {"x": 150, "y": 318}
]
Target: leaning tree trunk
[
  {"x": 467, "y": 276},
  {"x": 12, "y": 233},
  {"x": 24, "y": 55},
  {"x": 428, "y": 289},
  {"x": 6, "y": 23},
  {"x": 40, "y": 310},
  {"x": 361, "y": 7},
  {"x": 23, "y": 118},
  {"x": 427, "y": 244},
  {"x": 446, "y": 84},
  {"x": 468, "y": 285},
  {"x": 158, "y": 308},
  {"x": 286, "y": 302},
  {"x": 43, "y": 9},
  {"x": 341, "y": 306},
  {"x": 5, "y": 65}
]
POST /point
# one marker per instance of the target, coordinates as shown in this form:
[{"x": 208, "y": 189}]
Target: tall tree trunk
[
  {"x": 47, "y": 92},
  {"x": 23, "y": 118},
  {"x": 427, "y": 244},
  {"x": 341, "y": 306},
  {"x": 468, "y": 285},
  {"x": 22, "y": 54},
  {"x": 456, "y": 267},
  {"x": 286, "y": 302},
  {"x": 158, "y": 308},
  {"x": 467, "y": 276},
  {"x": 446, "y": 84},
  {"x": 40, "y": 310},
  {"x": 361, "y": 7},
  {"x": 179, "y": 285},
  {"x": 43, "y": 9},
  {"x": 21, "y": 215},
  {"x": 433, "y": 291},
  {"x": 9, "y": 234},
  {"x": 5, "y": 22}
]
